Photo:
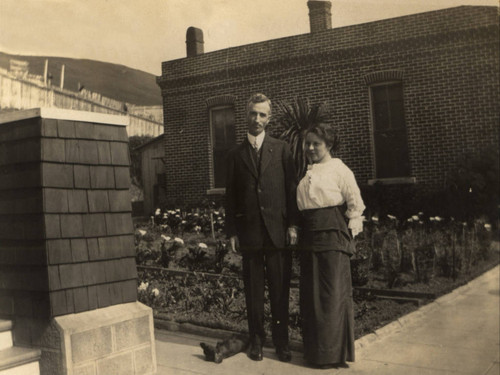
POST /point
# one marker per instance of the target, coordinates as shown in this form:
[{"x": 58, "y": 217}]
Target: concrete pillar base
[{"x": 114, "y": 340}]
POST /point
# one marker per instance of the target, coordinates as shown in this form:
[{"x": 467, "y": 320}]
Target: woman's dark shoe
[
  {"x": 284, "y": 353},
  {"x": 255, "y": 349},
  {"x": 332, "y": 365}
]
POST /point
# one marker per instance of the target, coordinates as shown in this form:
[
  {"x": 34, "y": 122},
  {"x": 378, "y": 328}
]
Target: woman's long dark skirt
[{"x": 327, "y": 307}]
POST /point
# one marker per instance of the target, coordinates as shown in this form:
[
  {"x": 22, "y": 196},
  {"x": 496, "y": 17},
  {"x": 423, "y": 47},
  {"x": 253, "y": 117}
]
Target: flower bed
[{"x": 187, "y": 274}]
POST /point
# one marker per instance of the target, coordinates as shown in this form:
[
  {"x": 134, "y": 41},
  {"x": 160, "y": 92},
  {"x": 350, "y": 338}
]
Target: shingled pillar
[{"x": 68, "y": 276}]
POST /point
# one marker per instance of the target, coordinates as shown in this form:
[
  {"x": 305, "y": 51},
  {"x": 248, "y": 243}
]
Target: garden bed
[{"x": 188, "y": 276}]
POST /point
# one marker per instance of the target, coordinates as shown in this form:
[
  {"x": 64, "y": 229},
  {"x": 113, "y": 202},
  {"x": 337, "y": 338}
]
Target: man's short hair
[{"x": 259, "y": 98}]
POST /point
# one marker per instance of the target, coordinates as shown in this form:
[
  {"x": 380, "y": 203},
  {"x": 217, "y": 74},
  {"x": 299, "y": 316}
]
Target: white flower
[
  {"x": 432, "y": 219},
  {"x": 470, "y": 190},
  {"x": 143, "y": 286},
  {"x": 177, "y": 210},
  {"x": 420, "y": 222},
  {"x": 415, "y": 217},
  {"x": 391, "y": 217},
  {"x": 179, "y": 240},
  {"x": 375, "y": 218},
  {"x": 183, "y": 222},
  {"x": 166, "y": 238},
  {"x": 487, "y": 227},
  {"x": 438, "y": 218},
  {"x": 464, "y": 224},
  {"x": 410, "y": 220},
  {"x": 157, "y": 212},
  {"x": 142, "y": 232},
  {"x": 155, "y": 292},
  {"x": 420, "y": 213},
  {"x": 201, "y": 245},
  {"x": 165, "y": 215},
  {"x": 216, "y": 212},
  {"x": 196, "y": 214}
]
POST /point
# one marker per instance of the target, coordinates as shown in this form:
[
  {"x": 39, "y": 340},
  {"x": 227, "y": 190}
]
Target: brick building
[{"x": 410, "y": 95}]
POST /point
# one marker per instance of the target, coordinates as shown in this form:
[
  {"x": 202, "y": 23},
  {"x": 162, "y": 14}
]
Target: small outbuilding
[{"x": 152, "y": 173}]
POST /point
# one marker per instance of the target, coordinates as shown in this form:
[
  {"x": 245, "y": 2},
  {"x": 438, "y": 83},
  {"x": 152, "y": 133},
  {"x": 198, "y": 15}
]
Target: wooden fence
[{"x": 18, "y": 93}]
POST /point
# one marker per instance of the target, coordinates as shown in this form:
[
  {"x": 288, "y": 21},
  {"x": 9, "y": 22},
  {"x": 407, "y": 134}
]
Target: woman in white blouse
[{"x": 325, "y": 285}]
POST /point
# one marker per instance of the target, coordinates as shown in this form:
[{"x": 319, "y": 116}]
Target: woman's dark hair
[{"x": 328, "y": 134}]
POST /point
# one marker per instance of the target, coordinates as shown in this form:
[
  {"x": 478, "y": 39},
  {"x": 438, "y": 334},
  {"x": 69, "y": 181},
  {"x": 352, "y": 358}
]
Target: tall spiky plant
[{"x": 296, "y": 117}]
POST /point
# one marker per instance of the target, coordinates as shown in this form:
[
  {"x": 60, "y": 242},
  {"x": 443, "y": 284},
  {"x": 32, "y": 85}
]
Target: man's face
[{"x": 258, "y": 117}]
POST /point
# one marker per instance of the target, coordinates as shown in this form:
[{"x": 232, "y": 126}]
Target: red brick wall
[
  {"x": 66, "y": 233},
  {"x": 448, "y": 61}
]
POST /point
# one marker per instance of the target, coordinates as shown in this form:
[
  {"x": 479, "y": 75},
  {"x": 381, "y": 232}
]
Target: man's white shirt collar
[{"x": 259, "y": 139}]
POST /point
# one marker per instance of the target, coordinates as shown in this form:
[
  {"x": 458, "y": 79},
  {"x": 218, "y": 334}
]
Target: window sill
[
  {"x": 393, "y": 181},
  {"x": 216, "y": 191}
]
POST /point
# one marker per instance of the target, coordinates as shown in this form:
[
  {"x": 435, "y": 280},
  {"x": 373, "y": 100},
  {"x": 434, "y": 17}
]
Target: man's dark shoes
[
  {"x": 284, "y": 353},
  {"x": 255, "y": 349}
]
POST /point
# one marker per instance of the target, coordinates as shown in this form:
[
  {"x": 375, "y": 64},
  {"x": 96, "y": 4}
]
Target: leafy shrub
[
  {"x": 471, "y": 191},
  {"x": 296, "y": 117},
  {"x": 474, "y": 185}
]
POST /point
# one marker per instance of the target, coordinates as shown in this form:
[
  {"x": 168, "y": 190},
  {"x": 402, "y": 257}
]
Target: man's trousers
[{"x": 275, "y": 265}]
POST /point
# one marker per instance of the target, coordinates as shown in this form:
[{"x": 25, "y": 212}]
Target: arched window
[
  {"x": 389, "y": 127},
  {"x": 222, "y": 136}
]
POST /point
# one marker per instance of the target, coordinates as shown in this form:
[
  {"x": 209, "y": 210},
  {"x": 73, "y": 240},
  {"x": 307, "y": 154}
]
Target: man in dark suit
[{"x": 261, "y": 215}]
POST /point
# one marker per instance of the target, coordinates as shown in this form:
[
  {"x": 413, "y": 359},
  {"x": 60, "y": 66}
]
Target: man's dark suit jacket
[{"x": 255, "y": 200}]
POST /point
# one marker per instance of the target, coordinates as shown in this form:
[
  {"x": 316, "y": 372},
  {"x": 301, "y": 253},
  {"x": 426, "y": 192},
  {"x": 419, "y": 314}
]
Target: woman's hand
[{"x": 356, "y": 226}]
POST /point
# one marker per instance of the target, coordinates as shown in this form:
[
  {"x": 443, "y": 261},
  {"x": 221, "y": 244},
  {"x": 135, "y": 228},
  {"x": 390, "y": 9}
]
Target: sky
[{"x": 142, "y": 33}]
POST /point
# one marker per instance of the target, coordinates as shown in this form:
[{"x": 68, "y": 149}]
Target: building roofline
[{"x": 337, "y": 29}]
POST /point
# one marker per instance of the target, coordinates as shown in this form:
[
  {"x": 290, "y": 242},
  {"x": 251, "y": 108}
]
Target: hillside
[{"x": 114, "y": 81}]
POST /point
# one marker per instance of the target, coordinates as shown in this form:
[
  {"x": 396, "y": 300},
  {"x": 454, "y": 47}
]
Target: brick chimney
[
  {"x": 194, "y": 41},
  {"x": 320, "y": 16}
]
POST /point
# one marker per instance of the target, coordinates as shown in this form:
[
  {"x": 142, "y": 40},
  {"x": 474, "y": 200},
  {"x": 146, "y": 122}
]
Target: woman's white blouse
[{"x": 332, "y": 184}]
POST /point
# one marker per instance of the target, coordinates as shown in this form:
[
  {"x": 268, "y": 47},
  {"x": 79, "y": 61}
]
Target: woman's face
[{"x": 316, "y": 149}]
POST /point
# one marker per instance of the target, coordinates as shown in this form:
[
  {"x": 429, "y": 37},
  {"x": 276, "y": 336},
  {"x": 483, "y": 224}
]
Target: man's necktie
[{"x": 256, "y": 148}]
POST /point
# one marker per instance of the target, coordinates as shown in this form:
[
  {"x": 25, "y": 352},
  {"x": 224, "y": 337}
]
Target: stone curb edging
[
  {"x": 385, "y": 331},
  {"x": 415, "y": 316}
]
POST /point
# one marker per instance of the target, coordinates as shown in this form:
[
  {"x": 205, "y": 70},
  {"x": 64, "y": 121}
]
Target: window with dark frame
[
  {"x": 389, "y": 130},
  {"x": 223, "y": 138}
]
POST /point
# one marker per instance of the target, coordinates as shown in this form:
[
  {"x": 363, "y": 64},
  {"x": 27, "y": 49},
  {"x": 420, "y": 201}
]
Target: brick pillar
[
  {"x": 67, "y": 257},
  {"x": 320, "y": 16}
]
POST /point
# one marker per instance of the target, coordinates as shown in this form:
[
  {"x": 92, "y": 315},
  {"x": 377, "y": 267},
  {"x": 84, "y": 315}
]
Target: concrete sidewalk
[{"x": 456, "y": 334}]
